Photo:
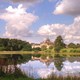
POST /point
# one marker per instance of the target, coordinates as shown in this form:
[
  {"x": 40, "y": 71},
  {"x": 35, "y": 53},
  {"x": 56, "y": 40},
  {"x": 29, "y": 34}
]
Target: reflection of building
[{"x": 46, "y": 43}]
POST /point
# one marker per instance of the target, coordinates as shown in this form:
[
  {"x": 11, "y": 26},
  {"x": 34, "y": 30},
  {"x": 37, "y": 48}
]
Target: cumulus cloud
[
  {"x": 73, "y": 34},
  {"x": 70, "y": 7},
  {"x": 18, "y": 22},
  {"x": 50, "y": 30},
  {"x": 70, "y": 33}
]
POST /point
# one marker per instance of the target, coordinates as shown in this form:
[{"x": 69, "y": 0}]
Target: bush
[
  {"x": 36, "y": 49},
  {"x": 64, "y": 51},
  {"x": 57, "y": 55},
  {"x": 74, "y": 51}
]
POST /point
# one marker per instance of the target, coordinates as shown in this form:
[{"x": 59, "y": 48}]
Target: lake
[{"x": 59, "y": 67}]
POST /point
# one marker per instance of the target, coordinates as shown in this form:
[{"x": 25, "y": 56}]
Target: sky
[{"x": 36, "y": 20}]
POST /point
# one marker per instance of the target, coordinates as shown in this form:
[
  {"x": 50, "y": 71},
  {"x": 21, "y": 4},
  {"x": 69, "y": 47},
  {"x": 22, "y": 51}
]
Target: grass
[
  {"x": 62, "y": 78},
  {"x": 11, "y": 77},
  {"x": 53, "y": 77},
  {"x": 17, "y": 75},
  {"x": 16, "y": 52},
  {"x": 32, "y": 53}
]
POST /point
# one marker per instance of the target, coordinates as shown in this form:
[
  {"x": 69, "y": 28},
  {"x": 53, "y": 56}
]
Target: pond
[{"x": 59, "y": 66}]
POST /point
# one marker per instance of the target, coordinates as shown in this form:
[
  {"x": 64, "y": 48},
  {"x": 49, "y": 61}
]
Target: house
[{"x": 46, "y": 43}]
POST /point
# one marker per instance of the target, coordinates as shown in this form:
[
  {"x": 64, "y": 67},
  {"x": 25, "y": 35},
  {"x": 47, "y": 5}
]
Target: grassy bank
[
  {"x": 63, "y": 52},
  {"x": 28, "y": 54},
  {"x": 11, "y": 77},
  {"x": 16, "y": 52},
  {"x": 17, "y": 75}
]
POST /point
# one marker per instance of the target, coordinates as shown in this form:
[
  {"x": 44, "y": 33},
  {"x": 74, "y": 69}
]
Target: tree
[
  {"x": 14, "y": 45},
  {"x": 51, "y": 47},
  {"x": 78, "y": 45},
  {"x": 59, "y": 44},
  {"x": 72, "y": 45},
  {"x": 43, "y": 47},
  {"x": 36, "y": 49},
  {"x": 27, "y": 48}
]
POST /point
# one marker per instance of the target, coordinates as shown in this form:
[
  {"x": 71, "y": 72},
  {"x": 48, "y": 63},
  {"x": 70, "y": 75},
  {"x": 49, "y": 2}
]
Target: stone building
[{"x": 46, "y": 43}]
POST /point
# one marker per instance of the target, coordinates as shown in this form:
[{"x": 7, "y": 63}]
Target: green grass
[
  {"x": 11, "y": 77},
  {"x": 16, "y": 52},
  {"x": 17, "y": 75},
  {"x": 63, "y": 53}
]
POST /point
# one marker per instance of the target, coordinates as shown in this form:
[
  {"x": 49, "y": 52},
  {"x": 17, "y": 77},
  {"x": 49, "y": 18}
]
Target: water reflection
[
  {"x": 58, "y": 62},
  {"x": 41, "y": 68},
  {"x": 60, "y": 67},
  {"x": 8, "y": 63}
]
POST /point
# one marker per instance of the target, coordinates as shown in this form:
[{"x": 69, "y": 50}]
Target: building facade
[{"x": 47, "y": 43}]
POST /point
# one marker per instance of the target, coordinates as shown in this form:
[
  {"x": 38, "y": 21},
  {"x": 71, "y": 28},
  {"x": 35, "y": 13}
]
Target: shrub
[{"x": 64, "y": 51}]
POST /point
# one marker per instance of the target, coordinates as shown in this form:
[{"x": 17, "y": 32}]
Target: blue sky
[{"x": 38, "y": 19}]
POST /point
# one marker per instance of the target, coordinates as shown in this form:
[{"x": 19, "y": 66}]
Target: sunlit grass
[{"x": 16, "y": 52}]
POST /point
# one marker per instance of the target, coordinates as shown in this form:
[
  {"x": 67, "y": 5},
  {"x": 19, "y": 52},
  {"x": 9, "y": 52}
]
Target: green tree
[
  {"x": 14, "y": 45},
  {"x": 78, "y": 45},
  {"x": 72, "y": 45},
  {"x": 36, "y": 49},
  {"x": 26, "y": 46},
  {"x": 43, "y": 47},
  {"x": 51, "y": 47},
  {"x": 59, "y": 44}
]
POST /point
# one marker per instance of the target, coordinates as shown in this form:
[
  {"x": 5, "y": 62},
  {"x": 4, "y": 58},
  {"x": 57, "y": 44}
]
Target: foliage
[
  {"x": 27, "y": 48},
  {"x": 52, "y": 77},
  {"x": 14, "y": 45},
  {"x": 43, "y": 47},
  {"x": 78, "y": 45},
  {"x": 72, "y": 45},
  {"x": 70, "y": 50},
  {"x": 58, "y": 44},
  {"x": 36, "y": 49},
  {"x": 64, "y": 51},
  {"x": 51, "y": 47},
  {"x": 58, "y": 63},
  {"x": 2, "y": 48},
  {"x": 17, "y": 75}
]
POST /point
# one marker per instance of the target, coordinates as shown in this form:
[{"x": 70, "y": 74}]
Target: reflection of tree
[
  {"x": 8, "y": 62},
  {"x": 58, "y": 63}
]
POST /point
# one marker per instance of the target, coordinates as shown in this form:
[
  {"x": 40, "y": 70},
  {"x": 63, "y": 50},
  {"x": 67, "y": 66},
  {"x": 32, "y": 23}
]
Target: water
[{"x": 60, "y": 67}]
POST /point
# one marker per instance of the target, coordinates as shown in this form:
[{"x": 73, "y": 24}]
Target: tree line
[
  {"x": 59, "y": 44},
  {"x": 14, "y": 45},
  {"x": 7, "y": 44}
]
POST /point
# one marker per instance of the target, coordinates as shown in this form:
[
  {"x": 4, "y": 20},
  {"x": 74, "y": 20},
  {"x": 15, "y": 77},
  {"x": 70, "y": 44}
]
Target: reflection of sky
[{"x": 38, "y": 69}]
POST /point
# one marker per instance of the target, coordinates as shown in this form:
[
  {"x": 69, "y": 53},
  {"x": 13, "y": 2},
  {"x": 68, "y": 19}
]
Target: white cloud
[
  {"x": 70, "y": 7},
  {"x": 50, "y": 30},
  {"x": 70, "y": 33},
  {"x": 18, "y": 22}
]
